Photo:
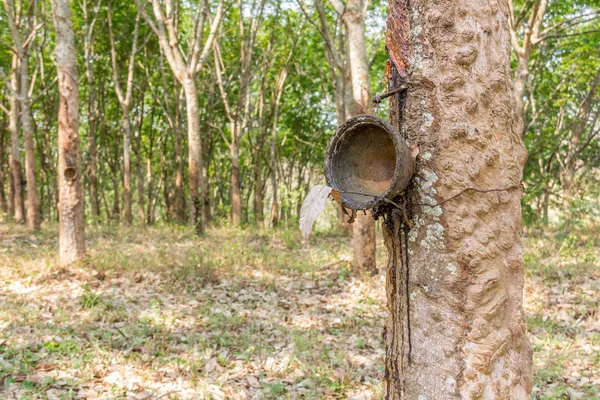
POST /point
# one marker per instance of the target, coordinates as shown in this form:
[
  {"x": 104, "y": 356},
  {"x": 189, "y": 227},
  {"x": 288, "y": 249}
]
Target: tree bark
[
  {"x": 179, "y": 194},
  {"x": 138, "y": 164},
  {"x": 127, "y": 212},
  {"x": 194, "y": 153},
  {"x": 33, "y": 201},
  {"x": 14, "y": 158},
  {"x": 71, "y": 197},
  {"x": 3, "y": 202},
  {"x": 236, "y": 190},
  {"x": 259, "y": 195},
  {"x": 456, "y": 328}
]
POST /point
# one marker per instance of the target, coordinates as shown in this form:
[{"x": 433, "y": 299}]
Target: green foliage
[{"x": 561, "y": 173}]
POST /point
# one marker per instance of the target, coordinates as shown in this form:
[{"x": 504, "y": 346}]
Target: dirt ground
[{"x": 158, "y": 313}]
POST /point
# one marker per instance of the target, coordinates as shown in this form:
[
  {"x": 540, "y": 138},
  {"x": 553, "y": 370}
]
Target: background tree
[
  {"x": 125, "y": 100},
  {"x": 185, "y": 67},
  {"x": 23, "y": 32},
  {"x": 70, "y": 208}
]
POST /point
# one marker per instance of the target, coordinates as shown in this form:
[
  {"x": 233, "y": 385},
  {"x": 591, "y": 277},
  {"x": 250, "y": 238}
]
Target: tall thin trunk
[
  {"x": 456, "y": 328},
  {"x": 168, "y": 214},
  {"x": 71, "y": 197},
  {"x": 127, "y": 215},
  {"x": 11, "y": 190},
  {"x": 33, "y": 201},
  {"x": 150, "y": 192},
  {"x": 194, "y": 153},
  {"x": 363, "y": 229},
  {"x": 206, "y": 153},
  {"x": 14, "y": 158},
  {"x": 138, "y": 166},
  {"x": 185, "y": 68},
  {"x": 92, "y": 167},
  {"x": 236, "y": 192},
  {"x": 275, "y": 219},
  {"x": 178, "y": 204},
  {"x": 258, "y": 192},
  {"x": 520, "y": 83},
  {"x": 3, "y": 202},
  {"x": 125, "y": 100},
  {"x": 92, "y": 155},
  {"x": 115, "y": 177}
]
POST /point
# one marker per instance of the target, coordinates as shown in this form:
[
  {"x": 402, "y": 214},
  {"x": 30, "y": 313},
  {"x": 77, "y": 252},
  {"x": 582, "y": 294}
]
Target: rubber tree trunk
[
  {"x": 14, "y": 158},
  {"x": 236, "y": 190},
  {"x": 178, "y": 204},
  {"x": 456, "y": 328},
  {"x": 139, "y": 172},
  {"x": 3, "y": 202},
  {"x": 520, "y": 83},
  {"x": 127, "y": 216},
  {"x": 194, "y": 154},
  {"x": 71, "y": 197},
  {"x": 92, "y": 166},
  {"x": 33, "y": 201},
  {"x": 259, "y": 194},
  {"x": 363, "y": 229}
]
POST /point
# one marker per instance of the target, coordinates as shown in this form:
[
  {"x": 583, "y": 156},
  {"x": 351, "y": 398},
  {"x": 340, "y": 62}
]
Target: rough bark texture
[
  {"x": 70, "y": 209},
  {"x": 456, "y": 328}
]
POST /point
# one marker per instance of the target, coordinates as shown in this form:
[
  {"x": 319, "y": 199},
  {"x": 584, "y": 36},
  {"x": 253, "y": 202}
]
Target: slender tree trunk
[
  {"x": 116, "y": 208},
  {"x": 236, "y": 191},
  {"x": 206, "y": 154},
  {"x": 168, "y": 212},
  {"x": 194, "y": 153},
  {"x": 71, "y": 197},
  {"x": 92, "y": 154},
  {"x": 3, "y": 202},
  {"x": 92, "y": 167},
  {"x": 127, "y": 216},
  {"x": 150, "y": 192},
  {"x": 11, "y": 190},
  {"x": 275, "y": 200},
  {"x": 179, "y": 196},
  {"x": 363, "y": 229},
  {"x": 456, "y": 328},
  {"x": 520, "y": 84},
  {"x": 15, "y": 153},
  {"x": 274, "y": 172},
  {"x": 138, "y": 167},
  {"x": 259, "y": 203},
  {"x": 33, "y": 201}
]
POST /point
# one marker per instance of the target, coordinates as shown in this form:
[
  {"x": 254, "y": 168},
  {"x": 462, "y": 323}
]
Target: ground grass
[{"x": 160, "y": 313}]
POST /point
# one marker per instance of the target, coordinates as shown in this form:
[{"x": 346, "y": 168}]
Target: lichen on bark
[{"x": 466, "y": 327}]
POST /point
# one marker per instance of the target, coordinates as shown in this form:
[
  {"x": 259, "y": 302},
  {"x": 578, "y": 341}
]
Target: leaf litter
[{"x": 159, "y": 313}]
